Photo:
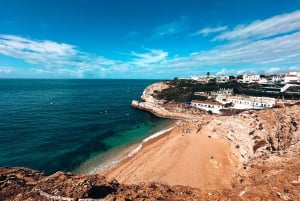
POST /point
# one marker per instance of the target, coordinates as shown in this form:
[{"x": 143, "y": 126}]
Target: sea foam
[
  {"x": 155, "y": 135},
  {"x": 135, "y": 150}
]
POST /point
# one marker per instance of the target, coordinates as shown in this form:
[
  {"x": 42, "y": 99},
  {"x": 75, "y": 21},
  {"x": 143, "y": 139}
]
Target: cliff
[{"x": 163, "y": 109}]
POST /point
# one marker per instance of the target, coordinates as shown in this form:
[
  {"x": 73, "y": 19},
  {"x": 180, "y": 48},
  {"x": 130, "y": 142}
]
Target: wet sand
[{"x": 185, "y": 156}]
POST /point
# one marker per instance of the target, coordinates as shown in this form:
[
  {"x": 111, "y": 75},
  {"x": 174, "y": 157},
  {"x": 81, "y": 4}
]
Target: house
[
  {"x": 250, "y": 78},
  {"x": 221, "y": 91},
  {"x": 246, "y": 102},
  {"x": 277, "y": 79},
  {"x": 214, "y": 107},
  {"x": 292, "y": 77},
  {"x": 222, "y": 79},
  {"x": 201, "y": 79}
]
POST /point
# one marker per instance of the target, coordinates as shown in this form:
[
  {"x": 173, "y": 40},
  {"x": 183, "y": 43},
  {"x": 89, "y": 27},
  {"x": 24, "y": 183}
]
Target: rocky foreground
[
  {"x": 274, "y": 178},
  {"x": 267, "y": 144}
]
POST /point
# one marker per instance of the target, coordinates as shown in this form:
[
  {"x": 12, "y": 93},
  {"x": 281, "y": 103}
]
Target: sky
[{"x": 142, "y": 39}]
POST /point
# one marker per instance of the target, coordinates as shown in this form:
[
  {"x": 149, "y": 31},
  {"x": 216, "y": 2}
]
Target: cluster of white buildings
[
  {"x": 225, "y": 99},
  {"x": 291, "y": 77},
  {"x": 246, "y": 102},
  {"x": 214, "y": 107},
  {"x": 206, "y": 79}
]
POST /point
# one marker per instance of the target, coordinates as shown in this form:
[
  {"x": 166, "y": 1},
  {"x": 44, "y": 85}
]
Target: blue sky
[{"x": 159, "y": 39}]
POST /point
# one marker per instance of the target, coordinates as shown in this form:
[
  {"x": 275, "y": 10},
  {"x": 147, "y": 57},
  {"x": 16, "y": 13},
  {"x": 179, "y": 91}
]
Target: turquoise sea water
[{"x": 53, "y": 125}]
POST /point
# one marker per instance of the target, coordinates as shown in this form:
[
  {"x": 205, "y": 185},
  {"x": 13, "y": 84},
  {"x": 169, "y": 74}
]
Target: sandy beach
[{"x": 187, "y": 155}]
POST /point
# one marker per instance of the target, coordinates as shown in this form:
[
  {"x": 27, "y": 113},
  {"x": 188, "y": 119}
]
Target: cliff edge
[{"x": 162, "y": 108}]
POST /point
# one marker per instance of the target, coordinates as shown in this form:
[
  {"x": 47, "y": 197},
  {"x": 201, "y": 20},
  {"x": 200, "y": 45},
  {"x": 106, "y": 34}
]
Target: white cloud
[
  {"x": 223, "y": 72},
  {"x": 56, "y": 58},
  {"x": 60, "y": 59},
  {"x": 152, "y": 57},
  {"x": 259, "y": 46},
  {"x": 283, "y": 50},
  {"x": 209, "y": 30},
  {"x": 281, "y": 70},
  {"x": 273, "y": 70},
  {"x": 273, "y": 26},
  {"x": 292, "y": 68},
  {"x": 5, "y": 70},
  {"x": 280, "y": 50},
  {"x": 45, "y": 52},
  {"x": 172, "y": 28}
]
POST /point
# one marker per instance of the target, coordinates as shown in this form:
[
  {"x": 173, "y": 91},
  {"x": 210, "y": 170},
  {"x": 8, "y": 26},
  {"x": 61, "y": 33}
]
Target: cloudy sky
[{"x": 159, "y": 39}]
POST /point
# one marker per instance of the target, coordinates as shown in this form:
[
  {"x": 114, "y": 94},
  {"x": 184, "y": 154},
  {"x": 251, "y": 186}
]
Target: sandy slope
[{"x": 184, "y": 156}]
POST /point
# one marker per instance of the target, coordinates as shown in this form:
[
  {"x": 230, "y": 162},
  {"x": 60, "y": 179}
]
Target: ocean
[{"x": 70, "y": 125}]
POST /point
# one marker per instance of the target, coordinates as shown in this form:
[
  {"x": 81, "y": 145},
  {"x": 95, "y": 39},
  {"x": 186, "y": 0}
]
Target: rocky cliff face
[
  {"x": 161, "y": 108},
  {"x": 259, "y": 133}
]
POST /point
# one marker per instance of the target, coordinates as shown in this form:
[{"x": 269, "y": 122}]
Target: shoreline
[
  {"x": 113, "y": 157},
  {"x": 132, "y": 150},
  {"x": 181, "y": 156}
]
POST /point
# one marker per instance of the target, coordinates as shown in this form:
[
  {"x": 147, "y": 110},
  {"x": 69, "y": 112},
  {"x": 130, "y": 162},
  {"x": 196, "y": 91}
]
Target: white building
[
  {"x": 202, "y": 79},
  {"x": 246, "y": 102},
  {"x": 292, "y": 77},
  {"x": 222, "y": 79},
  {"x": 263, "y": 81},
  {"x": 214, "y": 107},
  {"x": 277, "y": 79},
  {"x": 250, "y": 78}
]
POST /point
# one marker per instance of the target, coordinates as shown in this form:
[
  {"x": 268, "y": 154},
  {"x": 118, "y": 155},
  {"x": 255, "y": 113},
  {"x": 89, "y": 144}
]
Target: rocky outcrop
[
  {"x": 275, "y": 178},
  {"x": 253, "y": 134},
  {"x": 18, "y": 184},
  {"x": 151, "y": 90},
  {"x": 162, "y": 109}
]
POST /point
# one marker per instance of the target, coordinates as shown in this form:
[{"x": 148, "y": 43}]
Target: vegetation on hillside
[{"x": 183, "y": 90}]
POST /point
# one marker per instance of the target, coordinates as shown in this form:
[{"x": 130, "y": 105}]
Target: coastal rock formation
[
  {"x": 162, "y": 109},
  {"x": 267, "y": 143},
  {"x": 259, "y": 133},
  {"x": 148, "y": 93},
  {"x": 18, "y": 184},
  {"x": 250, "y": 133}
]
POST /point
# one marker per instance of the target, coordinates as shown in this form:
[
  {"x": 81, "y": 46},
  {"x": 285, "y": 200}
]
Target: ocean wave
[
  {"x": 135, "y": 150},
  {"x": 157, "y": 134}
]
